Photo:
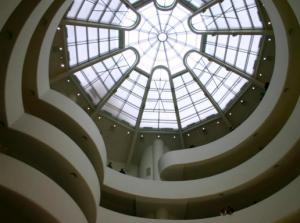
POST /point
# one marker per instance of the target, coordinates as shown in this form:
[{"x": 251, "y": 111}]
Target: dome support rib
[
  {"x": 201, "y": 9},
  {"x": 73, "y": 70},
  {"x": 231, "y": 68},
  {"x": 137, "y": 126},
  {"x": 207, "y": 94},
  {"x": 117, "y": 85},
  {"x": 176, "y": 110},
  {"x": 235, "y": 32}
]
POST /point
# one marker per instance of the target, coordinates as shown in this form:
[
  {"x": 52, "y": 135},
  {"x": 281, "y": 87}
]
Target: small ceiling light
[
  {"x": 78, "y": 94},
  {"x": 99, "y": 117},
  {"x": 265, "y": 58},
  {"x": 61, "y": 57},
  {"x": 142, "y": 136},
  {"x": 68, "y": 80},
  {"x": 253, "y": 88},
  {"x": 174, "y": 137},
  {"x": 230, "y": 113},
  {"x": 203, "y": 128},
  {"x": 128, "y": 132},
  {"x": 217, "y": 122},
  {"x": 60, "y": 48},
  {"x": 188, "y": 134},
  {"x": 260, "y": 74},
  {"x": 115, "y": 126},
  {"x": 269, "y": 39},
  {"x": 88, "y": 108},
  {"x": 269, "y": 23},
  {"x": 158, "y": 136},
  {"x": 58, "y": 28},
  {"x": 62, "y": 65},
  {"x": 242, "y": 101}
]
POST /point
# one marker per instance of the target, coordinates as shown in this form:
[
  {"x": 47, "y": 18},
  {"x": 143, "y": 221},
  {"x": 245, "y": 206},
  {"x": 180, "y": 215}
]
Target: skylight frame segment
[
  {"x": 214, "y": 78},
  {"x": 160, "y": 105},
  {"x": 119, "y": 112},
  {"x": 247, "y": 45},
  {"x": 99, "y": 79},
  {"x": 162, "y": 53},
  {"x": 184, "y": 91},
  {"x": 73, "y": 46},
  {"x": 194, "y": 4},
  {"x": 220, "y": 22},
  {"x": 106, "y": 13}
]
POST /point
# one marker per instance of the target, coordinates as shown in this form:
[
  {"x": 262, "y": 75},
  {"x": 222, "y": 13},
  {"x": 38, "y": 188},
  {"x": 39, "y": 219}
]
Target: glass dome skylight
[
  {"x": 163, "y": 38},
  {"x": 146, "y": 68}
]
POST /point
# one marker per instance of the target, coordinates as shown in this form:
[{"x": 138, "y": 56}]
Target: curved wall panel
[{"x": 33, "y": 196}]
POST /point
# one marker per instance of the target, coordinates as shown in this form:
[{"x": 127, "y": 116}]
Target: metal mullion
[
  {"x": 227, "y": 44},
  {"x": 158, "y": 20},
  {"x": 225, "y": 85},
  {"x": 130, "y": 91},
  {"x": 166, "y": 56},
  {"x": 237, "y": 18},
  {"x": 90, "y": 84},
  {"x": 142, "y": 41},
  {"x": 260, "y": 10},
  {"x": 237, "y": 51},
  {"x": 149, "y": 23},
  {"x": 138, "y": 121},
  {"x": 179, "y": 22},
  {"x": 178, "y": 54},
  {"x": 115, "y": 14},
  {"x": 99, "y": 40},
  {"x": 191, "y": 100},
  {"x": 104, "y": 10},
  {"x": 87, "y": 43},
  {"x": 75, "y": 37},
  {"x": 206, "y": 93},
  {"x": 250, "y": 18},
  {"x": 144, "y": 31},
  {"x": 248, "y": 53},
  {"x": 99, "y": 77},
  {"x": 182, "y": 43},
  {"x": 88, "y": 18},
  {"x": 167, "y": 23},
  {"x": 149, "y": 48},
  {"x": 224, "y": 16},
  {"x": 154, "y": 60},
  {"x": 79, "y": 9}
]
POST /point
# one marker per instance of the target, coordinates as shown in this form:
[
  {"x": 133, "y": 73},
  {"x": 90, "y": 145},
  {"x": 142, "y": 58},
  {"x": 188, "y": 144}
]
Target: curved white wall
[
  {"x": 60, "y": 147},
  {"x": 37, "y": 203}
]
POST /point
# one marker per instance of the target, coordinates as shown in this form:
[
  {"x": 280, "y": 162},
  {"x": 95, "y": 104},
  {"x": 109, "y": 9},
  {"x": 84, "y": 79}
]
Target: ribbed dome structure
[{"x": 85, "y": 83}]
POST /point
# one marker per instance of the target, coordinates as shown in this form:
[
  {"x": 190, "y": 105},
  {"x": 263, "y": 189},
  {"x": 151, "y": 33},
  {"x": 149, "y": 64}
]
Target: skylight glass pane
[
  {"x": 159, "y": 112},
  {"x": 85, "y": 43},
  {"x": 195, "y": 3},
  {"x": 112, "y": 12},
  {"x": 165, "y": 3},
  {"x": 167, "y": 51},
  {"x": 230, "y": 14},
  {"x": 193, "y": 105},
  {"x": 220, "y": 83},
  {"x": 97, "y": 80},
  {"x": 125, "y": 104},
  {"x": 240, "y": 51}
]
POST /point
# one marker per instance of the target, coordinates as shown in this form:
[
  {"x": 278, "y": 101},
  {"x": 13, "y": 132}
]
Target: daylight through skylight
[{"x": 170, "y": 77}]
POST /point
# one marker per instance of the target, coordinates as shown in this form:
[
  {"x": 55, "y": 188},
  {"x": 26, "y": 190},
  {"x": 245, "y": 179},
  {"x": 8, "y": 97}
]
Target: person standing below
[
  {"x": 122, "y": 171},
  {"x": 109, "y": 165}
]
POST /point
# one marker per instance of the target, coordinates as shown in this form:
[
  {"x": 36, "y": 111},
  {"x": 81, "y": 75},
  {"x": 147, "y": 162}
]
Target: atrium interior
[{"x": 197, "y": 100}]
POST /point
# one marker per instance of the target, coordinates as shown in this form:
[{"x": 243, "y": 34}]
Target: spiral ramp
[{"x": 49, "y": 174}]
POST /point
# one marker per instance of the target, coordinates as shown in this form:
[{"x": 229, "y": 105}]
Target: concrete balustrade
[
  {"x": 34, "y": 197},
  {"x": 70, "y": 171}
]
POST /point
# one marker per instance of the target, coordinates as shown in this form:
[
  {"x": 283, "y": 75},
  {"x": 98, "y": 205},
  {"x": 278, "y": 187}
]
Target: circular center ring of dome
[{"x": 162, "y": 37}]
